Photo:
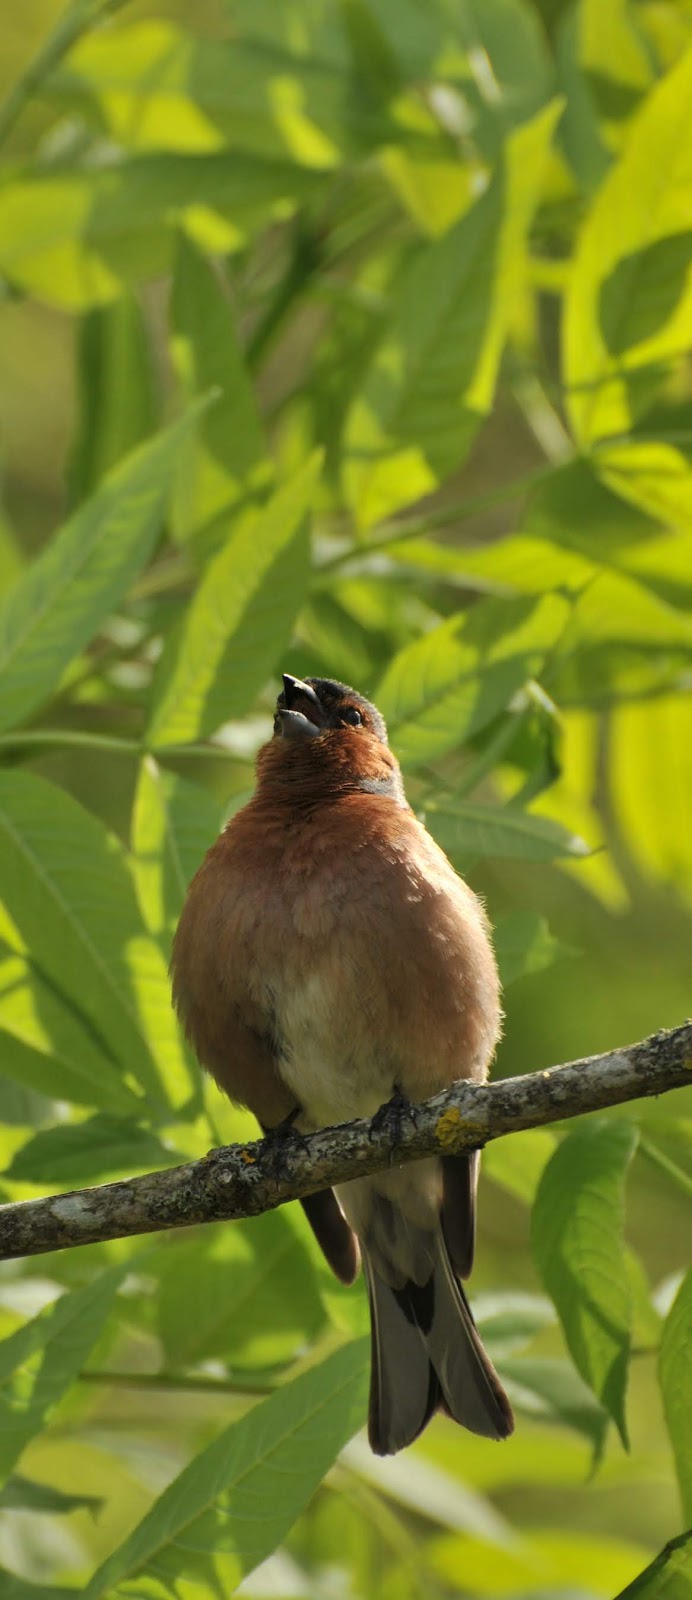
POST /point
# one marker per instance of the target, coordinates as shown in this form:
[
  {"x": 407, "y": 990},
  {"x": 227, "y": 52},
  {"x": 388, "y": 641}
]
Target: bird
[{"x": 328, "y": 962}]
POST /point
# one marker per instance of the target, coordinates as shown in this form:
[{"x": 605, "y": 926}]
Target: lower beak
[{"x": 295, "y": 726}]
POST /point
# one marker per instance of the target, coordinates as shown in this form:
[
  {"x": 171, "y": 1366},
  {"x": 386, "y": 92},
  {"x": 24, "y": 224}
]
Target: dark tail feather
[
  {"x": 427, "y": 1354},
  {"x": 333, "y": 1234}
]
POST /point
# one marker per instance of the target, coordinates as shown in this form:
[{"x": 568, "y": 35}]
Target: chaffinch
[{"x": 329, "y": 958}]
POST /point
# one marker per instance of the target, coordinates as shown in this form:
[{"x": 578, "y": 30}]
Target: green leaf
[
  {"x": 675, "y": 1377},
  {"x": 41, "y": 1360},
  {"x": 239, "y": 620},
  {"x": 629, "y": 306},
  {"x": 524, "y": 944},
  {"x": 448, "y": 683},
  {"x": 433, "y": 376},
  {"x": 668, "y": 1578},
  {"x": 16, "y": 1588},
  {"x": 117, "y": 403},
  {"x": 68, "y": 891},
  {"x": 226, "y": 461},
  {"x": 26, "y": 1495},
  {"x": 48, "y": 1043},
  {"x": 60, "y": 600},
  {"x": 509, "y": 1320},
  {"x": 235, "y": 1502},
  {"x": 174, "y": 823},
  {"x": 469, "y": 832},
  {"x": 246, "y": 1294},
  {"x": 74, "y": 239},
  {"x": 79, "y": 1151},
  {"x": 577, "y": 1239}
]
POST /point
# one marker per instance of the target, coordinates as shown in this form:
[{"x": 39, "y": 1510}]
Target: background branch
[{"x": 243, "y": 1180}]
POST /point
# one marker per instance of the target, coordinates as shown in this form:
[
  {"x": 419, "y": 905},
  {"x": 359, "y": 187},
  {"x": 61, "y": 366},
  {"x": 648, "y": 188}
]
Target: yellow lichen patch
[
  {"x": 247, "y": 1159},
  {"x": 448, "y": 1127}
]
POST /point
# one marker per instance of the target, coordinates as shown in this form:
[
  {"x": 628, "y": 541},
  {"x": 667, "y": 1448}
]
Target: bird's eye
[{"x": 349, "y": 714}]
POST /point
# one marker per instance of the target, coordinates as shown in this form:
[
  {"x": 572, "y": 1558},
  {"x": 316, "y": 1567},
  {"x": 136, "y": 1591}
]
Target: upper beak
[
  {"x": 294, "y": 725},
  {"x": 295, "y": 686}
]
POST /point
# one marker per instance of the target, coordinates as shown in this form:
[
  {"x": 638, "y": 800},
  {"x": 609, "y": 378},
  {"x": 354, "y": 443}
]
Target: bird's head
[{"x": 328, "y": 738}]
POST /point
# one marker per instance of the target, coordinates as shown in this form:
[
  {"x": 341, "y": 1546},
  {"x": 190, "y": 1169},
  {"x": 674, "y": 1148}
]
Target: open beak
[{"x": 294, "y": 724}]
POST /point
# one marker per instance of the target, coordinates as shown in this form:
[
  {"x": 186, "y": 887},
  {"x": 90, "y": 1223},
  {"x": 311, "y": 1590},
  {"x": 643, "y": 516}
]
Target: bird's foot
[
  {"x": 280, "y": 1142},
  {"x": 391, "y": 1117}
]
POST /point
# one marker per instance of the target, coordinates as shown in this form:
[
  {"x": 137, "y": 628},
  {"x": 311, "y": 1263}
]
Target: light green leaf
[
  {"x": 16, "y": 1588},
  {"x": 41, "y": 1360},
  {"x": 48, "y": 1043},
  {"x": 629, "y": 306},
  {"x": 468, "y": 832},
  {"x": 77, "y": 1152},
  {"x": 60, "y": 600},
  {"x": 246, "y": 1294},
  {"x": 73, "y": 239},
  {"x": 226, "y": 461},
  {"x": 546, "y": 1562},
  {"x": 675, "y": 1377},
  {"x": 117, "y": 402},
  {"x": 234, "y": 1503},
  {"x": 450, "y": 682},
  {"x": 174, "y": 823},
  {"x": 668, "y": 1578},
  {"x": 69, "y": 896},
  {"x": 523, "y": 944},
  {"x": 433, "y": 375},
  {"x": 239, "y": 620},
  {"x": 650, "y": 778},
  {"x": 510, "y": 1319},
  {"x": 577, "y": 1239}
]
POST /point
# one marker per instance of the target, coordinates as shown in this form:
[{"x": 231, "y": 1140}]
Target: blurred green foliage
[{"x": 347, "y": 337}]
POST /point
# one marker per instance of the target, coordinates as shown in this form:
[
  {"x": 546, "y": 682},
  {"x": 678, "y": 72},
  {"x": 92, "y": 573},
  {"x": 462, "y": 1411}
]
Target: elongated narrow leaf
[
  {"x": 117, "y": 402},
  {"x": 79, "y": 1152},
  {"x": 173, "y": 825},
  {"x": 551, "y": 1391},
  {"x": 668, "y": 1578},
  {"x": 577, "y": 1239},
  {"x": 236, "y": 1501},
  {"x": 48, "y": 1043},
  {"x": 629, "y": 308},
  {"x": 675, "y": 1376},
  {"x": 59, "y": 602},
  {"x": 469, "y": 832},
  {"x": 238, "y": 622},
  {"x": 23, "y": 1494},
  {"x": 13, "y": 1587},
  {"x": 40, "y": 1361},
  {"x": 450, "y": 682},
  {"x": 66, "y": 886},
  {"x": 226, "y": 460},
  {"x": 433, "y": 376}
]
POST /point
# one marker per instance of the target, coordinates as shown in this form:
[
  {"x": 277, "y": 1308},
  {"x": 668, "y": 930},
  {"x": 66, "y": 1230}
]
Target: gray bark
[{"x": 243, "y": 1180}]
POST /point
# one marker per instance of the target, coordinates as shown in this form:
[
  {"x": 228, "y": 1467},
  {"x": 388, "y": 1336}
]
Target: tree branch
[{"x": 243, "y": 1180}]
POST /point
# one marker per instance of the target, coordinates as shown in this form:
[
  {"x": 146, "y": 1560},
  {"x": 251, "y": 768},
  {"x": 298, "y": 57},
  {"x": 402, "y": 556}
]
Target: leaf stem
[
  {"x": 70, "y": 27},
  {"x": 175, "y": 1381}
]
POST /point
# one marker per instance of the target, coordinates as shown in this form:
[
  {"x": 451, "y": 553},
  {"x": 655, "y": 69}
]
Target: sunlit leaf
[
  {"x": 78, "y": 1152},
  {"x": 58, "y": 602},
  {"x": 517, "y": 1163},
  {"x": 174, "y": 823},
  {"x": 230, "y": 1507},
  {"x": 629, "y": 308},
  {"x": 577, "y": 1239},
  {"x": 239, "y": 620},
  {"x": 41, "y": 1360},
  {"x": 450, "y": 682},
  {"x": 433, "y": 375},
  {"x": 467, "y": 832},
  {"x": 675, "y": 1375},
  {"x": 68, "y": 891}
]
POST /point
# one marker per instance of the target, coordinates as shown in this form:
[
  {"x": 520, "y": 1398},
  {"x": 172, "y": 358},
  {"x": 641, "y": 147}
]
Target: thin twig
[{"x": 244, "y": 1180}]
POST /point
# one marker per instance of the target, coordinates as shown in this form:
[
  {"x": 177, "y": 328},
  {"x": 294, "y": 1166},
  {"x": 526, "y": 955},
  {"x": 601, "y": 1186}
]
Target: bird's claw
[
  {"x": 281, "y": 1142},
  {"x": 391, "y": 1117}
]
